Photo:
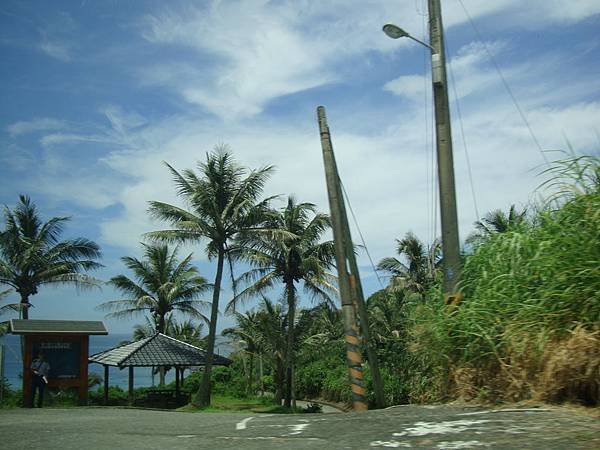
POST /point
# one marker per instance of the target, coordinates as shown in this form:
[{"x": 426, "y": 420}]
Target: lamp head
[{"x": 393, "y": 31}]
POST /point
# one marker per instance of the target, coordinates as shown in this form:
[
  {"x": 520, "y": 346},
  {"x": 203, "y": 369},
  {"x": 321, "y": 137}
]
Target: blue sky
[{"x": 94, "y": 95}]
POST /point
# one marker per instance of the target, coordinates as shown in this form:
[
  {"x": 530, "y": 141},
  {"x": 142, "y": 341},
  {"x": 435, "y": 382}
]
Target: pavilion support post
[
  {"x": 177, "y": 382},
  {"x": 105, "y": 385},
  {"x": 130, "y": 385}
]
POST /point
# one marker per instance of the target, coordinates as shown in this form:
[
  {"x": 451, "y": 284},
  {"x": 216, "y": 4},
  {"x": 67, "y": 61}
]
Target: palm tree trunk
[
  {"x": 24, "y": 314},
  {"x": 202, "y": 397},
  {"x": 289, "y": 354},
  {"x": 24, "y": 311},
  {"x": 260, "y": 375},
  {"x": 279, "y": 380},
  {"x": 161, "y": 369},
  {"x": 250, "y": 373}
]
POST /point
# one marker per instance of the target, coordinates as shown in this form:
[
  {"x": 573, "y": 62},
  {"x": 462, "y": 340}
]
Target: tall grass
[{"x": 526, "y": 292}]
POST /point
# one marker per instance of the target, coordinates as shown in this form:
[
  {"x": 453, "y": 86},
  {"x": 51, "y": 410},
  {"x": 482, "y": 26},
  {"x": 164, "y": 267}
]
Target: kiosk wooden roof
[{"x": 87, "y": 327}]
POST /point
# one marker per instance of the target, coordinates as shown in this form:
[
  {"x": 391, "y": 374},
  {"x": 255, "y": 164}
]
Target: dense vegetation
[
  {"x": 529, "y": 324},
  {"x": 528, "y": 327}
]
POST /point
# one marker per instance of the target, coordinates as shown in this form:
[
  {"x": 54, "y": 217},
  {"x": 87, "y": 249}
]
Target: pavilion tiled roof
[{"x": 156, "y": 350}]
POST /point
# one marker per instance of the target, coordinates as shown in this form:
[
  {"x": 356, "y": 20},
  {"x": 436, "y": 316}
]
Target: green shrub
[{"x": 116, "y": 396}]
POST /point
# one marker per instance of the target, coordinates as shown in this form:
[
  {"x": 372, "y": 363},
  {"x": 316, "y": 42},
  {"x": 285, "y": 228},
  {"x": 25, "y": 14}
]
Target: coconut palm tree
[
  {"x": 421, "y": 266},
  {"x": 188, "y": 331},
  {"x": 270, "y": 340},
  {"x": 387, "y": 315},
  {"x": 11, "y": 306},
  {"x": 497, "y": 221},
  {"x": 289, "y": 251},
  {"x": 247, "y": 332},
  {"x": 32, "y": 254},
  {"x": 223, "y": 200},
  {"x": 319, "y": 327},
  {"x": 161, "y": 284}
]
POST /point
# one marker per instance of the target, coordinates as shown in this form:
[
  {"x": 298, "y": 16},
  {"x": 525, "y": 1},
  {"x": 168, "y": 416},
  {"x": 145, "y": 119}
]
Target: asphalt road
[{"x": 440, "y": 427}]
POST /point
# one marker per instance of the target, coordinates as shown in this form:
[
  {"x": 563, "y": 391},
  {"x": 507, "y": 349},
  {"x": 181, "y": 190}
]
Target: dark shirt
[{"x": 40, "y": 367}]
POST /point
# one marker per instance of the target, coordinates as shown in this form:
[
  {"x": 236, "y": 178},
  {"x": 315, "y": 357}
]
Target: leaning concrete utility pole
[
  {"x": 348, "y": 279},
  {"x": 450, "y": 240}
]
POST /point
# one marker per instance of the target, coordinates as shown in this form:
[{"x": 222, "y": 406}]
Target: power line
[
  {"x": 505, "y": 83},
  {"x": 429, "y": 175},
  {"x": 464, "y": 139},
  {"x": 362, "y": 239}
]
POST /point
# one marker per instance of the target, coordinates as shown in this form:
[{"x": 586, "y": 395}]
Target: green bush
[
  {"x": 226, "y": 380},
  {"x": 116, "y": 396},
  {"x": 11, "y": 398}
]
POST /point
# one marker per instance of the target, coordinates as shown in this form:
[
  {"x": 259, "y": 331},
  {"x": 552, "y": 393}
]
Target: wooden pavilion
[{"x": 158, "y": 350}]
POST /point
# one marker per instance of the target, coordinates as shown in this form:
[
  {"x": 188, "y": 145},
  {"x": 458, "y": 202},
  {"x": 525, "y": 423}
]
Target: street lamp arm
[{"x": 422, "y": 43}]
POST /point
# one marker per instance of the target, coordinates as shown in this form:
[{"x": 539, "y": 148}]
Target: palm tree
[
  {"x": 289, "y": 251},
  {"x": 247, "y": 332},
  {"x": 10, "y": 306},
  {"x": 387, "y": 315},
  {"x": 31, "y": 254},
  {"x": 223, "y": 201},
  {"x": 497, "y": 221},
  {"x": 7, "y": 308},
  {"x": 161, "y": 284},
  {"x": 270, "y": 341},
  {"x": 420, "y": 269},
  {"x": 319, "y": 327},
  {"x": 188, "y": 331}
]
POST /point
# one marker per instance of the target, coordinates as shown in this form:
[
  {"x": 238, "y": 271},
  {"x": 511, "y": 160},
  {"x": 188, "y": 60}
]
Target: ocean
[{"x": 13, "y": 365}]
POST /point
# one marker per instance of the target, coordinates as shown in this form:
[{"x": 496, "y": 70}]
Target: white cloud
[
  {"x": 56, "y": 50},
  {"x": 387, "y": 175},
  {"x": 62, "y": 138},
  {"x": 412, "y": 87},
  {"x": 35, "y": 125},
  {"x": 470, "y": 71},
  {"x": 251, "y": 52}
]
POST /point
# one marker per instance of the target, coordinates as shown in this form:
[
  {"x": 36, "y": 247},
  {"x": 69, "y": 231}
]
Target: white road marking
[
  {"x": 261, "y": 438},
  {"x": 425, "y": 428},
  {"x": 392, "y": 444},
  {"x": 187, "y": 435},
  {"x": 297, "y": 429},
  {"x": 454, "y": 445},
  {"x": 241, "y": 425},
  {"x": 506, "y": 410}
]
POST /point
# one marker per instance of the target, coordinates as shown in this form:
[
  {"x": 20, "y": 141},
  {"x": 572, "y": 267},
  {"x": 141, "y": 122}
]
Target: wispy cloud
[
  {"x": 35, "y": 125},
  {"x": 471, "y": 69},
  {"x": 56, "y": 50}
]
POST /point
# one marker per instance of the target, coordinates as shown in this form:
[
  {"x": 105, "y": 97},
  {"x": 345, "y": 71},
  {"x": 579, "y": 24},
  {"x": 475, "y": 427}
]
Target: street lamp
[
  {"x": 395, "y": 32},
  {"x": 450, "y": 242}
]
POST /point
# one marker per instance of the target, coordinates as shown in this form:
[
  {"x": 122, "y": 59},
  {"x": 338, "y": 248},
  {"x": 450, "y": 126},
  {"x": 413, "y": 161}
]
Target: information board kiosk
[{"x": 65, "y": 345}]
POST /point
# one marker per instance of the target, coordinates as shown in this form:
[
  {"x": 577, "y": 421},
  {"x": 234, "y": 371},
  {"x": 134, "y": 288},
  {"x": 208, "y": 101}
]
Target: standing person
[{"x": 40, "y": 369}]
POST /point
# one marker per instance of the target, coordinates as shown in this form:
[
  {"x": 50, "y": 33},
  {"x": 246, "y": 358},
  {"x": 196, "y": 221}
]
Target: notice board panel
[{"x": 63, "y": 356}]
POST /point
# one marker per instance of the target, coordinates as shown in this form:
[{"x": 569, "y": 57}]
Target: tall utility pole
[
  {"x": 450, "y": 240},
  {"x": 348, "y": 280}
]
